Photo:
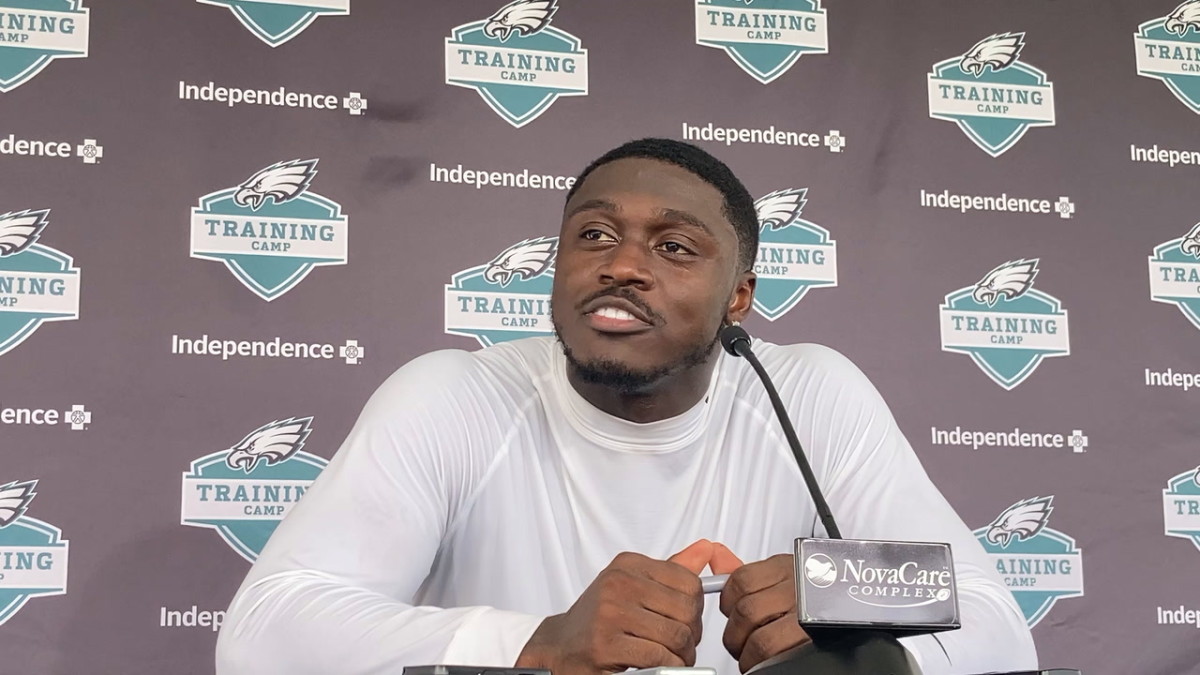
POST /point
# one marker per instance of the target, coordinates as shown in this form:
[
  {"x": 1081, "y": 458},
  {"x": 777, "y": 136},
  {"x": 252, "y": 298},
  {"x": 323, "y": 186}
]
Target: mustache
[{"x": 625, "y": 294}]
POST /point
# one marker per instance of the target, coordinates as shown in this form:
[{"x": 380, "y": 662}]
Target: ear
[{"x": 742, "y": 297}]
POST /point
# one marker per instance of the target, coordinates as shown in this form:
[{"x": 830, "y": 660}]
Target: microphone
[{"x": 854, "y": 597}]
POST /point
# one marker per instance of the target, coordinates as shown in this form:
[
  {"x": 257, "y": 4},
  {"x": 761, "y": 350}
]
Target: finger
[
  {"x": 754, "y": 577},
  {"x": 723, "y": 560},
  {"x": 628, "y": 651},
  {"x": 667, "y": 601},
  {"x": 772, "y": 639},
  {"x": 677, "y": 636},
  {"x": 754, "y": 611},
  {"x": 695, "y": 557}
]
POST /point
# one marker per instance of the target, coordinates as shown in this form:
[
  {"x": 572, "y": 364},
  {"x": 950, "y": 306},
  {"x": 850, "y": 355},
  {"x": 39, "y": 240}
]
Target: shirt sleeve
[
  {"x": 333, "y": 590},
  {"x": 878, "y": 489}
]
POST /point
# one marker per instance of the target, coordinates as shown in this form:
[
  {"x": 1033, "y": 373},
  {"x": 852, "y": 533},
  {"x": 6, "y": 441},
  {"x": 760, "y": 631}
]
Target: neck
[{"x": 671, "y": 395}]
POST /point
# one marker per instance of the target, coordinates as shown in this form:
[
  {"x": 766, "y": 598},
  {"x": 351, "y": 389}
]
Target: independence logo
[
  {"x": 991, "y": 94},
  {"x": 277, "y": 21},
  {"x": 35, "y": 32},
  {"x": 506, "y": 299},
  {"x": 794, "y": 254},
  {"x": 37, "y": 283},
  {"x": 764, "y": 39},
  {"x": 33, "y": 554},
  {"x": 1005, "y": 325},
  {"x": 517, "y": 61},
  {"x": 1181, "y": 506},
  {"x": 243, "y": 492},
  {"x": 1175, "y": 274},
  {"x": 1168, "y": 49},
  {"x": 270, "y": 231},
  {"x": 1039, "y": 565}
]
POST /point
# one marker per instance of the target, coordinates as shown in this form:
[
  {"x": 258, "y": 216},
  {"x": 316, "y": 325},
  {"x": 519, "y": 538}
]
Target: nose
[{"x": 627, "y": 264}]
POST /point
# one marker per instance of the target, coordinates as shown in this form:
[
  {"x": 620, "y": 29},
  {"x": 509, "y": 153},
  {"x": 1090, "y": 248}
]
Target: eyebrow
[{"x": 675, "y": 215}]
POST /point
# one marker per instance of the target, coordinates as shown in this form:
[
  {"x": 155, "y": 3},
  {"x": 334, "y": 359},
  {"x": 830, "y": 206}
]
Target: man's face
[{"x": 645, "y": 274}]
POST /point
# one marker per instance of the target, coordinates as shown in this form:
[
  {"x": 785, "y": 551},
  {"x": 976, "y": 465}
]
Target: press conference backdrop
[{"x": 225, "y": 222}]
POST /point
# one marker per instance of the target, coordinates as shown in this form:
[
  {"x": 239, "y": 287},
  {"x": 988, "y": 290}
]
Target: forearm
[{"x": 305, "y": 622}]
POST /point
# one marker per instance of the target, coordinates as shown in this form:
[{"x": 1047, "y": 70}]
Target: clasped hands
[{"x": 643, "y": 613}]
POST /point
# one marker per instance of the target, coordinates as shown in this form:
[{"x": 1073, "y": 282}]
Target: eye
[
  {"x": 593, "y": 234},
  {"x": 675, "y": 248}
]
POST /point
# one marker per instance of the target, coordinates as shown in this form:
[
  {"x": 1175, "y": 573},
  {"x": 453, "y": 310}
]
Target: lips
[{"x": 616, "y": 315}]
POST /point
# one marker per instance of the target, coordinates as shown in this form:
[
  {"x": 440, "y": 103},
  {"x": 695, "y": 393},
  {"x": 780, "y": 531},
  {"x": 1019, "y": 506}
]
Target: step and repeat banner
[{"x": 223, "y": 223}]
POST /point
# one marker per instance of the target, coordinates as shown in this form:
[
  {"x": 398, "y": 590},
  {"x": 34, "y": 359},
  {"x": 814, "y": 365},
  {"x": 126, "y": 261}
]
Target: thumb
[
  {"x": 695, "y": 556},
  {"x": 723, "y": 560}
]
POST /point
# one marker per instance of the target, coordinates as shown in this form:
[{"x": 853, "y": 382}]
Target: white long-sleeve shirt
[{"x": 479, "y": 493}]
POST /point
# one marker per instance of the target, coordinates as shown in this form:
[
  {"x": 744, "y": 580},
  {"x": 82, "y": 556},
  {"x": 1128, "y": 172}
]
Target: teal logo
[
  {"x": 1039, "y": 565},
  {"x": 794, "y": 254},
  {"x": 33, "y": 554},
  {"x": 506, "y": 299},
  {"x": 37, "y": 283},
  {"x": 1168, "y": 49},
  {"x": 35, "y": 32},
  {"x": 517, "y": 61},
  {"x": 244, "y": 491},
  {"x": 1004, "y": 324},
  {"x": 271, "y": 230},
  {"x": 765, "y": 38},
  {"x": 1175, "y": 274},
  {"x": 991, "y": 94},
  {"x": 1181, "y": 506},
  {"x": 277, "y": 21}
]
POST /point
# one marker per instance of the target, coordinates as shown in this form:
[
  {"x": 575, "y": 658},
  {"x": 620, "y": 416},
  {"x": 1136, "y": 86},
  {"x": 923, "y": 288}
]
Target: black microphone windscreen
[{"x": 732, "y": 334}]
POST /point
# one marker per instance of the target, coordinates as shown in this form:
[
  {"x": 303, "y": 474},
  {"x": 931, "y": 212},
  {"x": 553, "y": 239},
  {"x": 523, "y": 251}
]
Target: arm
[{"x": 333, "y": 589}]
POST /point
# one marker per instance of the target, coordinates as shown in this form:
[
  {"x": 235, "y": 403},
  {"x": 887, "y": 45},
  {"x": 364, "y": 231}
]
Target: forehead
[{"x": 639, "y": 183}]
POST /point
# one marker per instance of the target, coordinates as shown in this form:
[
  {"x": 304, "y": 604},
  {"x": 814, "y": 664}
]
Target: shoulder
[{"x": 798, "y": 363}]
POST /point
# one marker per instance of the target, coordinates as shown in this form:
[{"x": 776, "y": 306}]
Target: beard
[{"x": 622, "y": 379}]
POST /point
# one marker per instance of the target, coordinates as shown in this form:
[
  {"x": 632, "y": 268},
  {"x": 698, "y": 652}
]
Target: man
[{"x": 552, "y": 504}]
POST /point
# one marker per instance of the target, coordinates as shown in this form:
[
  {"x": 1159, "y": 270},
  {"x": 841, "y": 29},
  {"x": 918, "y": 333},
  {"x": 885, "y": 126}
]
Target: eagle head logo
[
  {"x": 526, "y": 259},
  {"x": 281, "y": 182},
  {"x": 1190, "y": 244},
  {"x": 998, "y": 51},
  {"x": 1010, "y": 280},
  {"x": 524, "y": 17},
  {"x": 778, "y": 209},
  {"x": 19, "y": 229},
  {"x": 1020, "y": 521},
  {"x": 272, "y": 443},
  {"x": 1183, "y": 17},
  {"x": 14, "y": 500}
]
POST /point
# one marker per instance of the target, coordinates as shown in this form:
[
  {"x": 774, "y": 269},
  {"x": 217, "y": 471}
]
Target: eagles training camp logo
[
  {"x": 765, "y": 39},
  {"x": 794, "y": 254},
  {"x": 1004, "y": 324},
  {"x": 991, "y": 94},
  {"x": 270, "y": 231},
  {"x": 35, "y": 32},
  {"x": 37, "y": 283},
  {"x": 506, "y": 299},
  {"x": 244, "y": 491},
  {"x": 33, "y": 554},
  {"x": 1040, "y": 566},
  {"x": 1168, "y": 49},
  {"x": 1181, "y": 506},
  {"x": 1175, "y": 274},
  {"x": 517, "y": 61},
  {"x": 277, "y": 21}
]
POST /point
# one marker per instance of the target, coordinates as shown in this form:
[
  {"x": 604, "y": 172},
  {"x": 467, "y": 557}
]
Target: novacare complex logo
[
  {"x": 277, "y": 21},
  {"x": 794, "y": 254},
  {"x": 517, "y": 61},
  {"x": 991, "y": 94},
  {"x": 1175, "y": 274},
  {"x": 37, "y": 283},
  {"x": 270, "y": 231},
  {"x": 764, "y": 39},
  {"x": 1181, "y": 506},
  {"x": 35, "y": 32},
  {"x": 506, "y": 299},
  {"x": 1005, "y": 325},
  {"x": 1168, "y": 49},
  {"x": 33, "y": 554},
  {"x": 1039, "y": 565},
  {"x": 244, "y": 491}
]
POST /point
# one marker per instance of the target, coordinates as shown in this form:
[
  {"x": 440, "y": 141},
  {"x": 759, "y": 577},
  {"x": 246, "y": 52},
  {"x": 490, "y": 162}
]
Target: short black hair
[{"x": 738, "y": 206}]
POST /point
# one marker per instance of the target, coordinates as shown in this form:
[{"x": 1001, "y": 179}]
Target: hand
[
  {"x": 637, "y": 613},
  {"x": 760, "y": 601}
]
